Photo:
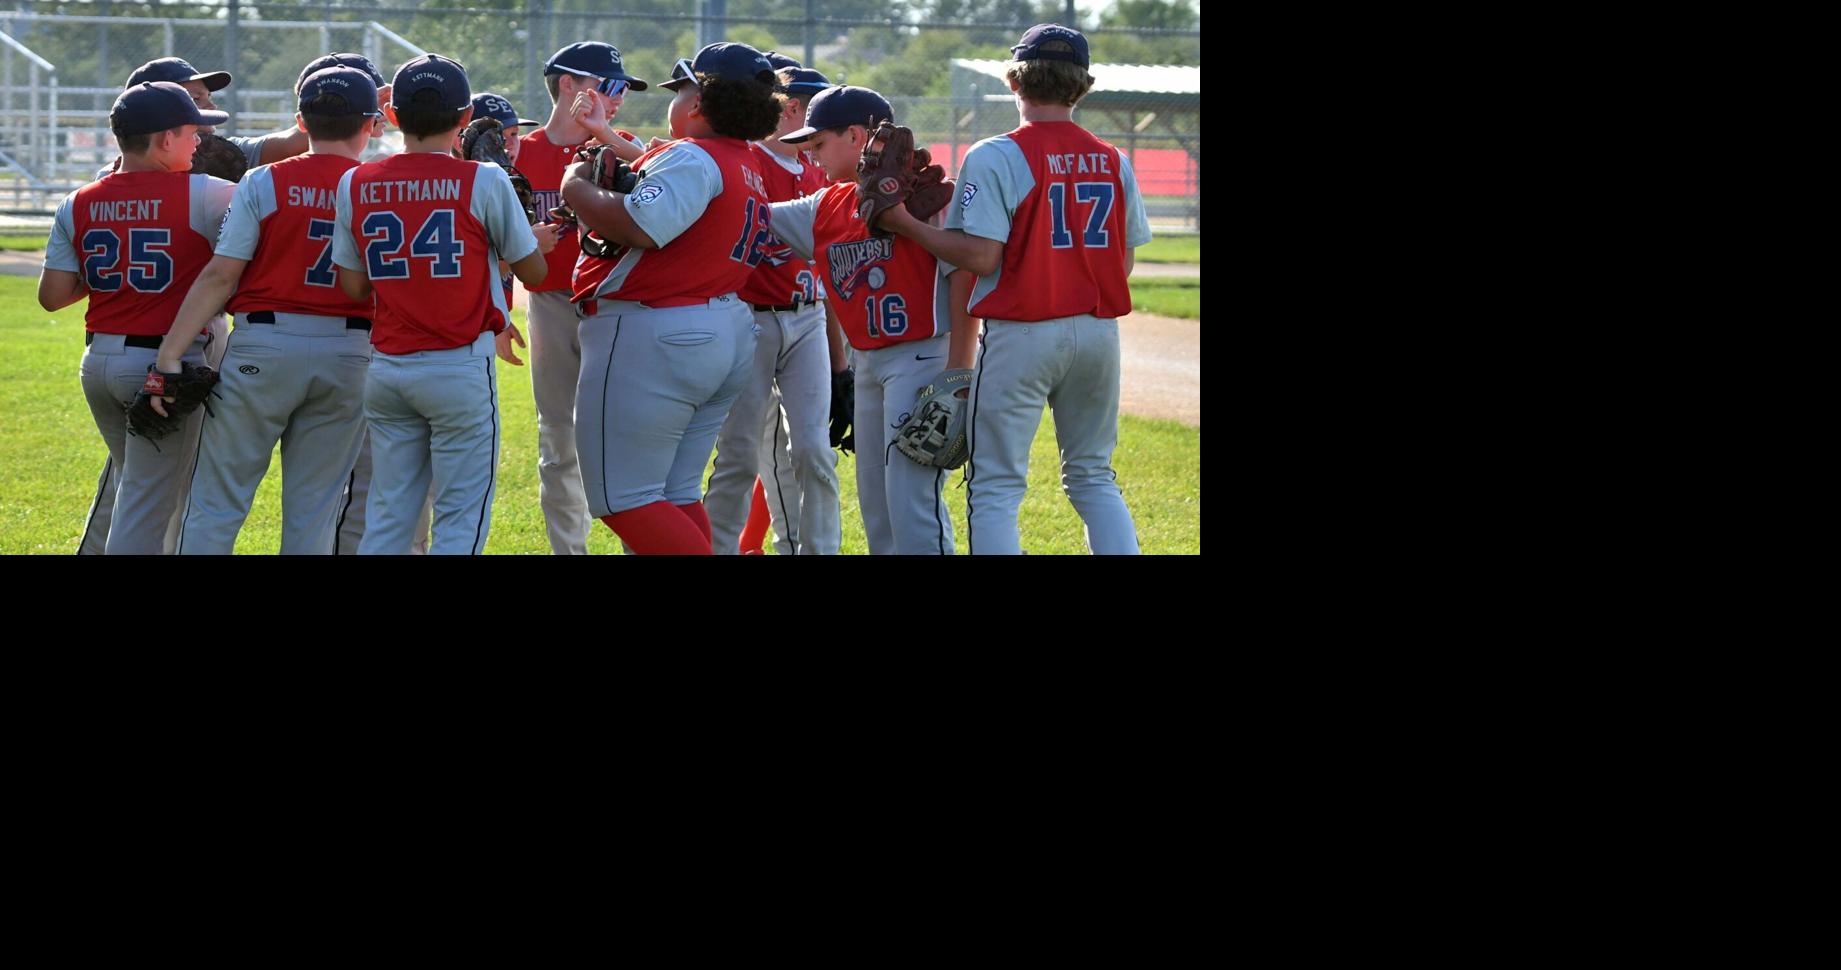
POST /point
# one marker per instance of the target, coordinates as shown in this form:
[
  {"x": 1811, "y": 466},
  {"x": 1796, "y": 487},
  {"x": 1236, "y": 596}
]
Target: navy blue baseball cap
[
  {"x": 432, "y": 72},
  {"x": 325, "y": 61},
  {"x": 591, "y": 58},
  {"x": 493, "y": 106},
  {"x": 780, "y": 61},
  {"x": 1052, "y": 42},
  {"x": 836, "y": 107},
  {"x": 804, "y": 81},
  {"x": 178, "y": 71},
  {"x": 725, "y": 60},
  {"x": 156, "y": 106},
  {"x": 348, "y": 83}
]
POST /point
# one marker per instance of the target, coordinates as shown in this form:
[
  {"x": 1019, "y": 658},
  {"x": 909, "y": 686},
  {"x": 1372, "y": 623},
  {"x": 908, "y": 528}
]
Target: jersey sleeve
[
  {"x": 993, "y": 181},
  {"x": 253, "y": 201},
  {"x": 344, "y": 247},
  {"x": 793, "y": 221},
  {"x": 676, "y": 187},
  {"x": 61, "y": 247},
  {"x": 496, "y": 206},
  {"x": 210, "y": 197},
  {"x": 252, "y": 144},
  {"x": 1137, "y": 225}
]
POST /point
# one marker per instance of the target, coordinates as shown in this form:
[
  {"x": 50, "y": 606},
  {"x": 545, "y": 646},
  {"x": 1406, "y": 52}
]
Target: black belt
[
  {"x": 150, "y": 343},
  {"x": 782, "y": 308},
  {"x": 265, "y": 316}
]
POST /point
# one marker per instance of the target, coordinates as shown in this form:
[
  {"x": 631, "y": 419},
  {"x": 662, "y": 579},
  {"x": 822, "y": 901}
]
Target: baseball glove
[
  {"x": 217, "y": 156},
  {"x": 612, "y": 173},
  {"x": 843, "y": 410},
  {"x": 932, "y": 189},
  {"x": 934, "y": 433},
  {"x": 183, "y": 392},
  {"x": 885, "y": 173},
  {"x": 484, "y": 141}
]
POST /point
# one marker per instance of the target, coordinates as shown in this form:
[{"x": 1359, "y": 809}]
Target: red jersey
[
  {"x": 542, "y": 164},
  {"x": 707, "y": 197},
  {"x": 417, "y": 222},
  {"x": 783, "y": 277},
  {"x": 1066, "y": 251},
  {"x": 884, "y": 289},
  {"x": 140, "y": 239},
  {"x": 281, "y": 220}
]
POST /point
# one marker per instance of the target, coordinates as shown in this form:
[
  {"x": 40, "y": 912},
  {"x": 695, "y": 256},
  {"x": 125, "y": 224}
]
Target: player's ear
[
  {"x": 300, "y": 122},
  {"x": 466, "y": 116},
  {"x": 390, "y": 113}
]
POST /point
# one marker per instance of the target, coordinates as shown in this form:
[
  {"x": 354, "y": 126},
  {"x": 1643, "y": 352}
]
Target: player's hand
[
  {"x": 589, "y": 111},
  {"x": 547, "y": 233},
  {"x": 580, "y": 170},
  {"x": 895, "y": 219},
  {"x": 159, "y": 403},
  {"x": 504, "y": 340},
  {"x": 657, "y": 141}
]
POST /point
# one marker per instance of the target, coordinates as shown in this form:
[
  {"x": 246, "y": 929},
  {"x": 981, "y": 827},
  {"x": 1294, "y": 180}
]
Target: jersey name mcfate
[{"x": 1080, "y": 163}]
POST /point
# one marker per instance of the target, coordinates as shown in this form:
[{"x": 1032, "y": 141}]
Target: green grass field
[
  {"x": 1170, "y": 296},
  {"x": 23, "y": 244},
  {"x": 50, "y": 456},
  {"x": 1163, "y": 249}
]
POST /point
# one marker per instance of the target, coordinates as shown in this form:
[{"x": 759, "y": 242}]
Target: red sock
[
  {"x": 699, "y": 518},
  {"x": 659, "y": 529},
  {"x": 756, "y": 531}
]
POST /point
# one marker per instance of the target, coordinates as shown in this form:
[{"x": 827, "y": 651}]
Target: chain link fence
[{"x": 63, "y": 63}]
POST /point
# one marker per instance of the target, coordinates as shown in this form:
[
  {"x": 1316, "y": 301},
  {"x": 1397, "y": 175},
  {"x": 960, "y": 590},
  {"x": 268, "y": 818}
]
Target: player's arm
[
  {"x": 58, "y": 288},
  {"x": 60, "y": 283},
  {"x": 203, "y": 301},
  {"x": 962, "y": 346},
  {"x": 531, "y": 269},
  {"x": 287, "y": 146},
  {"x": 834, "y": 334},
  {"x": 981, "y": 256},
  {"x": 354, "y": 281},
  {"x": 355, "y": 284},
  {"x": 603, "y": 211}
]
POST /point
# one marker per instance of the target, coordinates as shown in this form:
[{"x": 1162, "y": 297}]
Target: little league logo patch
[
  {"x": 648, "y": 192},
  {"x": 965, "y": 198},
  {"x": 888, "y": 186},
  {"x": 877, "y": 277}
]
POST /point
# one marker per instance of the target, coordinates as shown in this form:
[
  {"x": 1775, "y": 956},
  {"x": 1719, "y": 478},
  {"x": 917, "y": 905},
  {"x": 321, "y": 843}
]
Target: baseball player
[
  {"x": 423, "y": 232},
  {"x": 778, "y": 505},
  {"x": 1047, "y": 216},
  {"x": 351, "y": 521},
  {"x": 295, "y": 366},
  {"x": 133, "y": 242},
  {"x": 257, "y": 150},
  {"x": 791, "y": 356},
  {"x": 891, "y": 297},
  {"x": 666, "y": 343},
  {"x": 587, "y": 85}
]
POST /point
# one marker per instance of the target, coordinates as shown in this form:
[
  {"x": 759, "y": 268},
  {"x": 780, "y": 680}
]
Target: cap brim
[
  {"x": 214, "y": 81},
  {"x": 806, "y": 87},
  {"x": 633, "y": 83},
  {"x": 212, "y": 118},
  {"x": 528, "y": 123},
  {"x": 795, "y": 137},
  {"x": 676, "y": 84}
]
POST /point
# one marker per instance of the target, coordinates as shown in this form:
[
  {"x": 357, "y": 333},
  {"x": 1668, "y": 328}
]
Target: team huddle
[{"x": 785, "y": 276}]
